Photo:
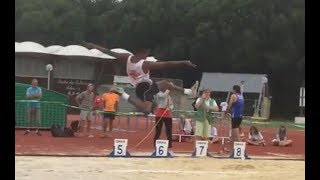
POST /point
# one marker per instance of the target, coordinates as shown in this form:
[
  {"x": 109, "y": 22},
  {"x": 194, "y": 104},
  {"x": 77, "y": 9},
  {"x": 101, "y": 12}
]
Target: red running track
[{"x": 46, "y": 144}]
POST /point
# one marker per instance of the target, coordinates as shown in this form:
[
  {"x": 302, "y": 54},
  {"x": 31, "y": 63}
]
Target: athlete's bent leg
[
  {"x": 166, "y": 85},
  {"x": 144, "y": 106}
]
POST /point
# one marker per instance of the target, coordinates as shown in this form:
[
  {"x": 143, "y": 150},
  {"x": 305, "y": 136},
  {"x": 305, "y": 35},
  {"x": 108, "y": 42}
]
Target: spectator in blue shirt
[{"x": 33, "y": 94}]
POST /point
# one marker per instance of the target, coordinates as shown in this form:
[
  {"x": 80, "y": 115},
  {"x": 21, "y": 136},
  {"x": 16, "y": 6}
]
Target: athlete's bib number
[
  {"x": 239, "y": 149},
  {"x": 162, "y": 147},
  {"x": 120, "y": 147},
  {"x": 201, "y": 148}
]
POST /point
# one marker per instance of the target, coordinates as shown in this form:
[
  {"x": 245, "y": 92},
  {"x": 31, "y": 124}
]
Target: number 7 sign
[{"x": 201, "y": 148}]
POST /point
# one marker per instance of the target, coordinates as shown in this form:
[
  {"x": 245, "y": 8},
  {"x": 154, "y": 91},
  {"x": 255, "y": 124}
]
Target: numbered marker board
[
  {"x": 162, "y": 147},
  {"x": 239, "y": 149},
  {"x": 120, "y": 147},
  {"x": 201, "y": 148}
]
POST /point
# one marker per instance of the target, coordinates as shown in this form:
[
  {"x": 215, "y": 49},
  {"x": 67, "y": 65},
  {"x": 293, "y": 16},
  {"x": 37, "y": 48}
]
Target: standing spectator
[
  {"x": 235, "y": 108},
  {"x": 204, "y": 105},
  {"x": 255, "y": 137},
  {"x": 163, "y": 115},
  {"x": 34, "y": 94},
  {"x": 281, "y": 138},
  {"x": 98, "y": 106},
  {"x": 85, "y": 101},
  {"x": 111, "y": 105},
  {"x": 235, "y": 112}
]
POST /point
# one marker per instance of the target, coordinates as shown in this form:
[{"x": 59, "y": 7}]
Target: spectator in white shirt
[
  {"x": 185, "y": 128},
  {"x": 224, "y": 106},
  {"x": 255, "y": 137},
  {"x": 213, "y": 137},
  {"x": 185, "y": 125}
]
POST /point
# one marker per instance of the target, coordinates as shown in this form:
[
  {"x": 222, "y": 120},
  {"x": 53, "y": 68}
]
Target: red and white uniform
[{"x": 135, "y": 72}]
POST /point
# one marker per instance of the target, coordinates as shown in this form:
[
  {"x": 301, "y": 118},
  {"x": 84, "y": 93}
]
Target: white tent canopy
[{"x": 71, "y": 50}]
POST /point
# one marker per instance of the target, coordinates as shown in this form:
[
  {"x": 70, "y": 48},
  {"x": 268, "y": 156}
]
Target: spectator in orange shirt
[{"x": 111, "y": 104}]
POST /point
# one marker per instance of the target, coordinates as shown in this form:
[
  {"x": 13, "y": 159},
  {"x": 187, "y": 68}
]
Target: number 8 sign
[
  {"x": 120, "y": 147},
  {"x": 239, "y": 149}
]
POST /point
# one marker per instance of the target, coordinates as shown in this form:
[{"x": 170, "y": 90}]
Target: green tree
[{"x": 245, "y": 36}]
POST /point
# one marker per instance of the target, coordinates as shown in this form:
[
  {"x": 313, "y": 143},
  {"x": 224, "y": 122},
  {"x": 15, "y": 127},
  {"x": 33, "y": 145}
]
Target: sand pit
[{"x": 83, "y": 168}]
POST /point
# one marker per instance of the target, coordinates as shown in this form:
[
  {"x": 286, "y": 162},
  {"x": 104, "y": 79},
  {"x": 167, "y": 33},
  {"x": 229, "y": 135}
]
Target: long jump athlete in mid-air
[{"x": 138, "y": 70}]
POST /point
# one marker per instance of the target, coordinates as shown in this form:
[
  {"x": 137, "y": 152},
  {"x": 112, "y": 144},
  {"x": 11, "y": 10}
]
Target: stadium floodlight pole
[
  {"x": 49, "y": 68},
  {"x": 264, "y": 84},
  {"x": 242, "y": 82},
  {"x": 264, "y": 81}
]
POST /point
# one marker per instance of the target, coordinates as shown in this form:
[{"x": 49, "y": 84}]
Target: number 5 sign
[
  {"x": 162, "y": 148},
  {"x": 120, "y": 147},
  {"x": 239, "y": 149}
]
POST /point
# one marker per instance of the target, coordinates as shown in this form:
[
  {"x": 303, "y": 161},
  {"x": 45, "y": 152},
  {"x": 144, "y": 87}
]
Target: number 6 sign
[
  {"x": 162, "y": 148},
  {"x": 120, "y": 147}
]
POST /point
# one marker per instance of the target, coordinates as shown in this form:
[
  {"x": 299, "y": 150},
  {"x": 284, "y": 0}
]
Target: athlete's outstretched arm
[
  {"x": 122, "y": 57},
  {"x": 157, "y": 66}
]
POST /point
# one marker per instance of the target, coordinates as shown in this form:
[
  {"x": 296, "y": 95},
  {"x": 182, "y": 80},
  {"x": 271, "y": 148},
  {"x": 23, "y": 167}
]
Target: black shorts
[
  {"x": 109, "y": 115},
  {"x": 235, "y": 122},
  {"x": 146, "y": 92}
]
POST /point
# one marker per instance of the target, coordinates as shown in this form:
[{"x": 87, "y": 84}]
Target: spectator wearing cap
[{"x": 85, "y": 101}]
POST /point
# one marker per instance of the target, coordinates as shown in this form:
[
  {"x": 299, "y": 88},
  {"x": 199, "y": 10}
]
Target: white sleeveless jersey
[{"x": 135, "y": 72}]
